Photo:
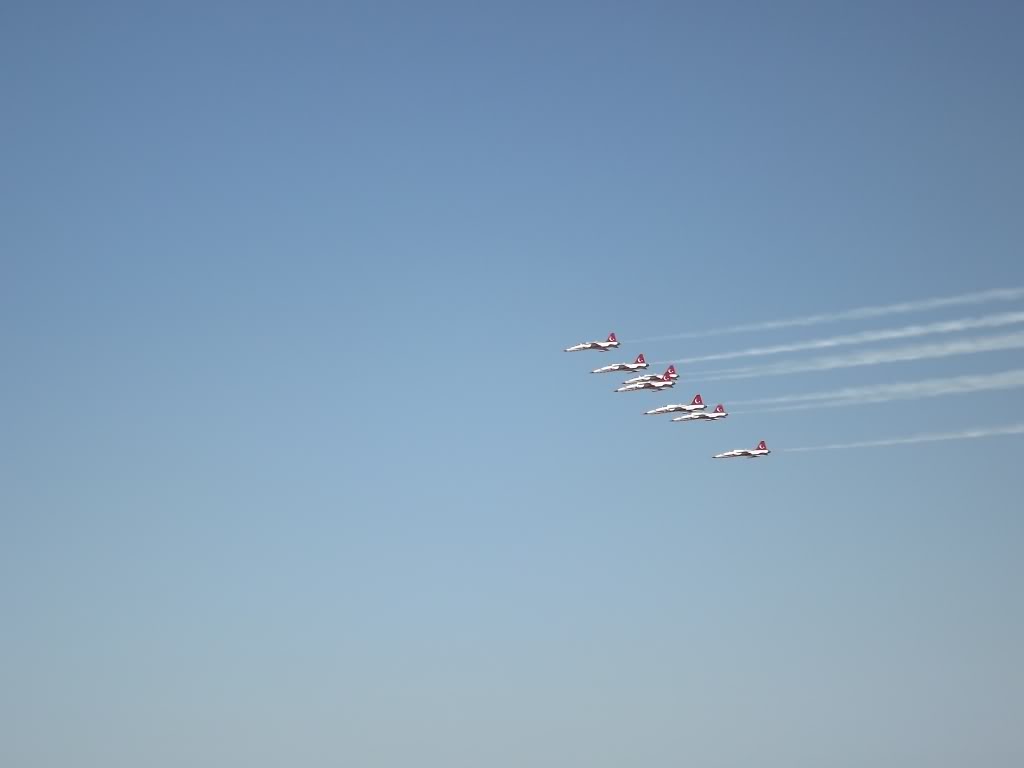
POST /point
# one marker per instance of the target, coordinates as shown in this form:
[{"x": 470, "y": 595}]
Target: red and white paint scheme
[
  {"x": 695, "y": 405},
  {"x": 637, "y": 365},
  {"x": 670, "y": 373},
  {"x": 601, "y": 346},
  {"x": 658, "y": 382},
  {"x": 744, "y": 453},
  {"x": 715, "y": 415}
]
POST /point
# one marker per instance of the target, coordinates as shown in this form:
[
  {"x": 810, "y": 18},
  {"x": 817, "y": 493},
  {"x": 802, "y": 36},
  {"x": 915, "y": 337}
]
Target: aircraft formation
[{"x": 653, "y": 382}]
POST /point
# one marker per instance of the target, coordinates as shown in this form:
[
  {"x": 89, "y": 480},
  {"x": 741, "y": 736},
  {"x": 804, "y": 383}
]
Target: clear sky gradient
[{"x": 293, "y": 470}]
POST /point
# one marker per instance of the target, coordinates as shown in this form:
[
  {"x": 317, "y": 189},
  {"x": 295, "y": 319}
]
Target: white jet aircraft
[
  {"x": 744, "y": 453},
  {"x": 637, "y": 365},
  {"x": 670, "y": 372},
  {"x": 695, "y": 405},
  {"x": 659, "y": 382},
  {"x": 715, "y": 415},
  {"x": 600, "y": 346}
]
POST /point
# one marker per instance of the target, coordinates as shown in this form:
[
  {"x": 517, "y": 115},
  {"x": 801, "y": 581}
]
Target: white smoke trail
[
  {"x": 860, "y": 313},
  {"x": 864, "y": 337},
  {"x": 884, "y": 393},
  {"x": 873, "y": 357},
  {"x": 935, "y": 437}
]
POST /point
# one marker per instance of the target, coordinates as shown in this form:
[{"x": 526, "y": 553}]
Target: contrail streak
[
  {"x": 864, "y": 337},
  {"x": 935, "y": 437},
  {"x": 860, "y": 313},
  {"x": 884, "y": 393},
  {"x": 873, "y": 357}
]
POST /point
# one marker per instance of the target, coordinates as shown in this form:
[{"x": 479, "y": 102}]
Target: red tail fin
[
  {"x": 640, "y": 360},
  {"x": 719, "y": 408},
  {"x": 697, "y": 400},
  {"x": 761, "y": 446},
  {"x": 611, "y": 336}
]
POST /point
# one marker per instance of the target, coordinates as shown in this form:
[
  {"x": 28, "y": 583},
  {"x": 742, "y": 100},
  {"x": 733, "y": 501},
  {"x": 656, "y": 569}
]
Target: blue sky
[{"x": 293, "y": 469}]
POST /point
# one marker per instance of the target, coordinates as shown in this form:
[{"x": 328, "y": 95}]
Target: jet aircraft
[
  {"x": 659, "y": 382},
  {"x": 670, "y": 373},
  {"x": 718, "y": 413},
  {"x": 695, "y": 405},
  {"x": 744, "y": 453},
  {"x": 600, "y": 346},
  {"x": 637, "y": 365}
]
